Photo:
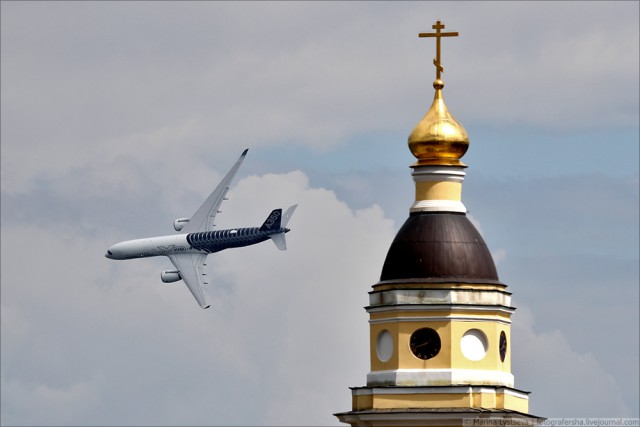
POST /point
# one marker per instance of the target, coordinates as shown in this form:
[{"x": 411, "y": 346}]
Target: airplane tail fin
[
  {"x": 279, "y": 223},
  {"x": 273, "y": 221},
  {"x": 287, "y": 215}
]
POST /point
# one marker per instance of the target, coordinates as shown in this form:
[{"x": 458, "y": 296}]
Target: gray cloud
[
  {"x": 110, "y": 346},
  {"x": 125, "y": 84},
  {"x": 119, "y": 117}
]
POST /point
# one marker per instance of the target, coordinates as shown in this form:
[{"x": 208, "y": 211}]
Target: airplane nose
[{"x": 108, "y": 255}]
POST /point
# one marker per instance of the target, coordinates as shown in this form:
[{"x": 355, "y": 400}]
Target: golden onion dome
[{"x": 438, "y": 139}]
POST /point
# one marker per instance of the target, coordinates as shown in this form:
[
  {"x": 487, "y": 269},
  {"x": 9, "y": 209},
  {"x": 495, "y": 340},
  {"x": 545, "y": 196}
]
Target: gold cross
[{"x": 438, "y": 26}]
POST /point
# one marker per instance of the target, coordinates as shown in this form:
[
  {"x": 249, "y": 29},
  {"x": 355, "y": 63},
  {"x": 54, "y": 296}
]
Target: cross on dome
[
  {"x": 438, "y": 139},
  {"x": 438, "y": 35}
]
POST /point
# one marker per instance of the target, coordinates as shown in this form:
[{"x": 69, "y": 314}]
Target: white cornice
[
  {"x": 450, "y": 389},
  {"x": 440, "y": 296},
  {"x": 500, "y": 320},
  {"x": 438, "y": 206},
  {"x": 438, "y": 173},
  {"x": 431, "y": 377}
]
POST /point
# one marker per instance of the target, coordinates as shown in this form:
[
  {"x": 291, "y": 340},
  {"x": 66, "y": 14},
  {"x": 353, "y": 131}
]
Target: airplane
[{"x": 188, "y": 251}]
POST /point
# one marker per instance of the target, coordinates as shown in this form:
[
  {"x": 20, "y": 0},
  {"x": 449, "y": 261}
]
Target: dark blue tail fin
[{"x": 273, "y": 221}]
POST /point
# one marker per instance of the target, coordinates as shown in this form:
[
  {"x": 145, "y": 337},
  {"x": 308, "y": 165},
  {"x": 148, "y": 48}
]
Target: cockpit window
[{"x": 109, "y": 252}]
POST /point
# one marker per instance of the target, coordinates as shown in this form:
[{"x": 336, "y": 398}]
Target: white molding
[
  {"x": 438, "y": 206},
  {"x": 437, "y": 377},
  {"x": 440, "y": 319},
  {"x": 438, "y": 173},
  {"x": 451, "y": 389},
  {"x": 371, "y": 390},
  {"x": 514, "y": 393},
  {"x": 475, "y": 313},
  {"x": 416, "y": 417},
  {"x": 439, "y": 296},
  {"x": 440, "y": 307}
]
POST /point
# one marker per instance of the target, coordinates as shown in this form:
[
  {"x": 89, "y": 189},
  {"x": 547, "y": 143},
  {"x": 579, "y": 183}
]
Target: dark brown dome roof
[{"x": 439, "y": 246}]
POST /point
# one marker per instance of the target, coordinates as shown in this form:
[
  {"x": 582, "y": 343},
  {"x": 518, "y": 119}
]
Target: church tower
[{"x": 440, "y": 319}]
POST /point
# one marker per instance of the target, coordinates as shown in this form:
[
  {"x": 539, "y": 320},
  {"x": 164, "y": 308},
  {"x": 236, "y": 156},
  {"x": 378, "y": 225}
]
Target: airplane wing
[
  {"x": 202, "y": 220},
  {"x": 190, "y": 268}
]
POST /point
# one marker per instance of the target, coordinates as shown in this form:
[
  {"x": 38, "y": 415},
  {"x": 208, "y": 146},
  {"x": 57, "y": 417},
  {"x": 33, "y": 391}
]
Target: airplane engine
[
  {"x": 170, "y": 276},
  {"x": 179, "y": 223}
]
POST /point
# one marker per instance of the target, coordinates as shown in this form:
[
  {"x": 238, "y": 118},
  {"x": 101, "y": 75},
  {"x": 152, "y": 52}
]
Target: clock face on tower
[
  {"x": 425, "y": 343},
  {"x": 503, "y": 346}
]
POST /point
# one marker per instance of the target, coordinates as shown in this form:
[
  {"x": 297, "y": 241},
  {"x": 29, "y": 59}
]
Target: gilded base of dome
[{"x": 439, "y": 152}]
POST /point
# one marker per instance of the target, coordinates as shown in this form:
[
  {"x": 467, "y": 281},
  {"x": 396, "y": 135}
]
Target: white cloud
[
  {"x": 564, "y": 382},
  {"x": 284, "y": 327}
]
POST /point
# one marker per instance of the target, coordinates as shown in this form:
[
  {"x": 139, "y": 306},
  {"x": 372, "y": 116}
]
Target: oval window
[
  {"x": 503, "y": 346},
  {"x": 384, "y": 346},
  {"x": 474, "y": 344}
]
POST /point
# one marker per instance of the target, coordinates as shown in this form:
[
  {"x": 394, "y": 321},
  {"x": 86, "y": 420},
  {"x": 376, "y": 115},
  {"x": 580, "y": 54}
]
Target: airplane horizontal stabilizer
[{"x": 280, "y": 241}]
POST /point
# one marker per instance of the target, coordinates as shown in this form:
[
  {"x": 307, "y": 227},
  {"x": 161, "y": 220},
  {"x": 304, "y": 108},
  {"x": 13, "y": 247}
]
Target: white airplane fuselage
[{"x": 205, "y": 242}]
